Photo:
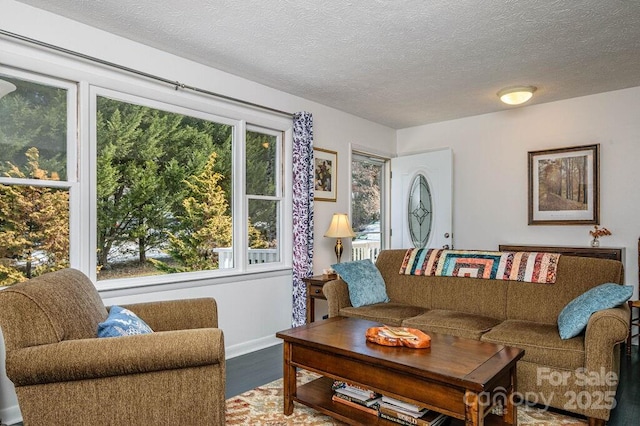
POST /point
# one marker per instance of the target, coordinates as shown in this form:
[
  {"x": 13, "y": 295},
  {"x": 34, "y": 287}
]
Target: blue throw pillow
[
  {"x": 575, "y": 316},
  {"x": 122, "y": 322},
  {"x": 365, "y": 283}
]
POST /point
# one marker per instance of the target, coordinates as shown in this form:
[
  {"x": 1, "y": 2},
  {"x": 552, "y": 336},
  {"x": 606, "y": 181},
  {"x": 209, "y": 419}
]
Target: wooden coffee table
[{"x": 462, "y": 378}]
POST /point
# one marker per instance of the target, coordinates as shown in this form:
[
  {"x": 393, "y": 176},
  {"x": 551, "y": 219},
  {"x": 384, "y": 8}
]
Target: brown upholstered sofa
[
  {"x": 65, "y": 375},
  {"x": 575, "y": 375}
]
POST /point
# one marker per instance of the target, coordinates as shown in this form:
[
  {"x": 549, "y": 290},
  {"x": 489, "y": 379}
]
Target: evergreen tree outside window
[
  {"x": 36, "y": 126},
  {"x": 163, "y": 190}
]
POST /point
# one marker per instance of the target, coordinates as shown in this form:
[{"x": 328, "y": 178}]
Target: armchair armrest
[
  {"x": 337, "y": 294},
  {"x": 86, "y": 359},
  {"x": 177, "y": 314},
  {"x": 605, "y": 329}
]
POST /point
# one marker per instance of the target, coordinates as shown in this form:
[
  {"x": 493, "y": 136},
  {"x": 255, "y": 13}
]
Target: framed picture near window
[
  {"x": 563, "y": 186},
  {"x": 325, "y": 174}
]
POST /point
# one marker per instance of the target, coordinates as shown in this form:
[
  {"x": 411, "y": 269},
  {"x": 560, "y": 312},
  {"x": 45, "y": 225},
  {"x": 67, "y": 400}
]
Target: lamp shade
[
  {"x": 516, "y": 95},
  {"x": 6, "y": 87},
  {"x": 340, "y": 227}
]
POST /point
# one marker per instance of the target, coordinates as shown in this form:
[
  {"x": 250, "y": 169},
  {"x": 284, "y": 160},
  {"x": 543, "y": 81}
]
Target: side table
[{"x": 314, "y": 291}]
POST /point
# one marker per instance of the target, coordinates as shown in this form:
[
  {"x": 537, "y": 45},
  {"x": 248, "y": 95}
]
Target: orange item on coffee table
[{"x": 398, "y": 336}]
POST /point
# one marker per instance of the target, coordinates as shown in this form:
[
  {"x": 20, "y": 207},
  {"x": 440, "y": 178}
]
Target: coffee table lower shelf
[{"x": 317, "y": 395}]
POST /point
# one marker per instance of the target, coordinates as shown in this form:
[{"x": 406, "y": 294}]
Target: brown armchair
[{"x": 65, "y": 375}]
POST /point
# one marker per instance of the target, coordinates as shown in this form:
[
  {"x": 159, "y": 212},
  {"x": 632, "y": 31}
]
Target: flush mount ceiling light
[
  {"x": 6, "y": 87},
  {"x": 516, "y": 95}
]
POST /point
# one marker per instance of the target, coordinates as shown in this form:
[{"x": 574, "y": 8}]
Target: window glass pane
[
  {"x": 164, "y": 191},
  {"x": 419, "y": 211},
  {"x": 34, "y": 230},
  {"x": 33, "y": 117},
  {"x": 261, "y": 163},
  {"x": 366, "y": 206},
  {"x": 263, "y": 231}
]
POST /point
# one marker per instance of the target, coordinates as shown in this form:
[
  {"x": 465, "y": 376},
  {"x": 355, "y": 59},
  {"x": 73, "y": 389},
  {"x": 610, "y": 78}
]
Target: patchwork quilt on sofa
[{"x": 534, "y": 267}]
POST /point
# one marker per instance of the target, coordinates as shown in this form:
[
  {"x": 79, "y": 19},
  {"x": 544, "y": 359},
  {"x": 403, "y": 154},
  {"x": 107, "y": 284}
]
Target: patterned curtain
[{"x": 302, "y": 212}]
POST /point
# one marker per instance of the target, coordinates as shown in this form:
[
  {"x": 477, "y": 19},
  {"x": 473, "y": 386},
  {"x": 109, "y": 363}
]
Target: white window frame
[
  {"x": 85, "y": 81},
  {"x": 385, "y": 207},
  {"x": 278, "y": 196},
  {"x": 71, "y": 181}
]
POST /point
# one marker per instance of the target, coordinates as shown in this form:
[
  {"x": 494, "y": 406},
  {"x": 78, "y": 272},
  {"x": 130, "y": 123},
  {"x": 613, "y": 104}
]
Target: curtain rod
[{"x": 176, "y": 84}]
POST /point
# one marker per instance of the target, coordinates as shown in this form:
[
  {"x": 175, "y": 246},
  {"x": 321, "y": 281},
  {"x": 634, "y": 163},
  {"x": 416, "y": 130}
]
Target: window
[
  {"x": 264, "y": 194},
  {"x": 147, "y": 183},
  {"x": 37, "y": 124},
  {"x": 167, "y": 187},
  {"x": 367, "y": 205},
  {"x": 164, "y": 186}
]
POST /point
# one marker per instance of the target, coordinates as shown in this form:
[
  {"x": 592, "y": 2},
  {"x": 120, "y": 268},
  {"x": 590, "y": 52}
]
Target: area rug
[{"x": 263, "y": 406}]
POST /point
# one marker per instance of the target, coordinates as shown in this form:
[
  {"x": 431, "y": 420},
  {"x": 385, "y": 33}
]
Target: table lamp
[{"x": 339, "y": 228}]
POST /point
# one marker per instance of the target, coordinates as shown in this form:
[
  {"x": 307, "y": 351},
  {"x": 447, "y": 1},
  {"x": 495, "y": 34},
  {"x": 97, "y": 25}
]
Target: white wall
[
  {"x": 253, "y": 309},
  {"x": 490, "y": 170}
]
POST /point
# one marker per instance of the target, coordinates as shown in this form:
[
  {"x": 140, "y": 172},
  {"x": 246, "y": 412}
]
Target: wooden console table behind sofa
[{"x": 613, "y": 253}]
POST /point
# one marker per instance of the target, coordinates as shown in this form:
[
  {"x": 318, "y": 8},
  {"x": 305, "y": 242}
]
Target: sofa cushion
[
  {"x": 575, "y": 276},
  {"x": 386, "y": 313},
  {"x": 454, "y": 323},
  {"x": 575, "y": 316},
  {"x": 486, "y": 298},
  {"x": 541, "y": 342},
  {"x": 365, "y": 283},
  {"x": 407, "y": 289},
  {"x": 122, "y": 322}
]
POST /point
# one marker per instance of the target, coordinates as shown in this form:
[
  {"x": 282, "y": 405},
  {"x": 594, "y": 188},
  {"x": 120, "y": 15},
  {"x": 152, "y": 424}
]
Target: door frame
[{"x": 430, "y": 182}]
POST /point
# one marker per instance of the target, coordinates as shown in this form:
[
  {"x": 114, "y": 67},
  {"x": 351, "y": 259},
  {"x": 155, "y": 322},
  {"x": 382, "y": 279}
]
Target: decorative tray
[{"x": 398, "y": 336}]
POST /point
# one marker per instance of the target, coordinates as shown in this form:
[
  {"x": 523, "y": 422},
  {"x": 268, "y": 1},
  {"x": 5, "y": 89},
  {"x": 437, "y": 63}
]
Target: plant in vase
[{"x": 597, "y": 233}]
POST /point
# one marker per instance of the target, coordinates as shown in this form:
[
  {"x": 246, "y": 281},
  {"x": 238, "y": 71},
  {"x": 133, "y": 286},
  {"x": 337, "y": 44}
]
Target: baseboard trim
[
  {"x": 251, "y": 346},
  {"x": 11, "y": 415}
]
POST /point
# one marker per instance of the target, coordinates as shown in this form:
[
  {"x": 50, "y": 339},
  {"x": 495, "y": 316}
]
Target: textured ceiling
[{"x": 396, "y": 62}]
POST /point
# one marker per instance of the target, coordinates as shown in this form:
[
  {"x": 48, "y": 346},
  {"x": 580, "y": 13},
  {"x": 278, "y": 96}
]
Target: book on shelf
[
  {"x": 396, "y": 403},
  {"x": 430, "y": 418},
  {"x": 366, "y": 393},
  {"x": 339, "y": 399},
  {"x": 398, "y": 409},
  {"x": 357, "y": 398}
]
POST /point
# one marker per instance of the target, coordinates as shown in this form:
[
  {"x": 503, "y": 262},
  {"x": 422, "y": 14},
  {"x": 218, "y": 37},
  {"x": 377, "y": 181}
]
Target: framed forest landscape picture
[
  {"x": 325, "y": 174},
  {"x": 563, "y": 186}
]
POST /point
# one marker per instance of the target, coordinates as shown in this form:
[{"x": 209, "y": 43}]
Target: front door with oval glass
[{"x": 421, "y": 200}]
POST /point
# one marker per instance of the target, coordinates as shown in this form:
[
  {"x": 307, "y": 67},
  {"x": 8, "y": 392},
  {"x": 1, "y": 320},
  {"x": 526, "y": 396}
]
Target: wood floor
[
  {"x": 627, "y": 411},
  {"x": 252, "y": 370},
  {"x": 257, "y": 368}
]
